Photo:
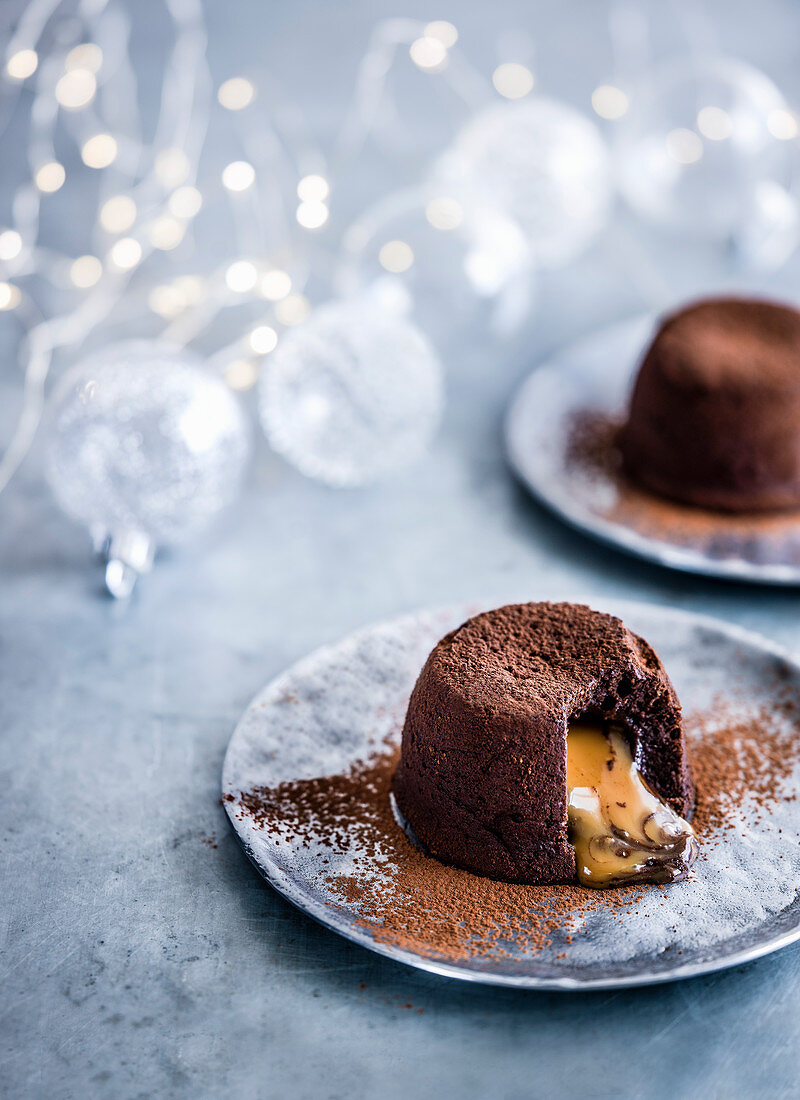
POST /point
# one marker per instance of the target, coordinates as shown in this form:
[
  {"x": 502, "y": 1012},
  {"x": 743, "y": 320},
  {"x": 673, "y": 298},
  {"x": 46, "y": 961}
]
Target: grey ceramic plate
[
  {"x": 595, "y": 376},
  {"x": 339, "y": 704}
]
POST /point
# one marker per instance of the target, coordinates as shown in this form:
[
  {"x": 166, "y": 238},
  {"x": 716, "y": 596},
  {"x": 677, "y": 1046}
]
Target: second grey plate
[{"x": 592, "y": 378}]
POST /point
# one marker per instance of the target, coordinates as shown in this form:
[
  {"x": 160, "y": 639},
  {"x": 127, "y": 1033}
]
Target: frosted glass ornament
[
  {"x": 541, "y": 164},
  {"x": 458, "y": 263},
  {"x": 770, "y": 231},
  {"x": 145, "y": 447},
  {"x": 352, "y": 394},
  {"x": 698, "y": 145}
]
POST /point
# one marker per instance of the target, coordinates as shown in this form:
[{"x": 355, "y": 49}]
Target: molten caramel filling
[{"x": 621, "y": 830}]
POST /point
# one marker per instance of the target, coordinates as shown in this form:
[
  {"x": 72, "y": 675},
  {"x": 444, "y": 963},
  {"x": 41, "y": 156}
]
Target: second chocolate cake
[
  {"x": 714, "y": 417},
  {"x": 483, "y": 778}
]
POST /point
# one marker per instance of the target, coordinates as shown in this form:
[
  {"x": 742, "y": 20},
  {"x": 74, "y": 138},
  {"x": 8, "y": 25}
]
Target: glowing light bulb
[
  {"x": 171, "y": 167},
  {"x": 714, "y": 123},
  {"x": 275, "y": 284},
  {"x": 99, "y": 151},
  {"x": 444, "y": 213},
  {"x": 782, "y": 124},
  {"x": 313, "y": 189},
  {"x": 166, "y": 233},
  {"x": 312, "y": 215},
  {"x": 10, "y": 296},
  {"x": 263, "y": 339},
  {"x": 166, "y": 301},
  {"x": 241, "y": 276},
  {"x": 118, "y": 214},
  {"x": 292, "y": 309},
  {"x": 241, "y": 374},
  {"x": 236, "y": 93},
  {"x": 126, "y": 253},
  {"x": 85, "y": 271},
  {"x": 238, "y": 175},
  {"x": 75, "y": 89},
  {"x": 396, "y": 256},
  {"x": 22, "y": 64},
  {"x": 609, "y": 102},
  {"x": 512, "y": 80},
  {"x": 684, "y": 146},
  {"x": 185, "y": 202},
  {"x": 50, "y": 177},
  {"x": 428, "y": 53},
  {"x": 86, "y": 56},
  {"x": 191, "y": 288},
  {"x": 10, "y": 244},
  {"x": 444, "y": 31}
]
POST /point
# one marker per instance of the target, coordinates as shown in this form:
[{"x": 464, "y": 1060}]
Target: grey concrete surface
[{"x": 141, "y": 955}]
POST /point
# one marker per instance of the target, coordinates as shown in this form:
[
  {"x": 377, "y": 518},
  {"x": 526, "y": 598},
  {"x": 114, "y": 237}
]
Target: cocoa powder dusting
[
  {"x": 592, "y": 453},
  {"x": 744, "y": 760},
  {"x": 412, "y": 901}
]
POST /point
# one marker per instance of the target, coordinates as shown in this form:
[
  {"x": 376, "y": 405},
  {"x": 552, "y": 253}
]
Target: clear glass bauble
[
  {"x": 698, "y": 152},
  {"x": 145, "y": 446},
  {"x": 540, "y": 163},
  {"x": 353, "y": 393},
  {"x": 458, "y": 263}
]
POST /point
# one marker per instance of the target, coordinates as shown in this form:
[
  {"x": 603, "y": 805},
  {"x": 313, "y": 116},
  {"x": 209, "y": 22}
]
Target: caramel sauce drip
[{"x": 621, "y": 830}]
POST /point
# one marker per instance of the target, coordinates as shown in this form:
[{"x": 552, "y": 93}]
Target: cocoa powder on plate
[
  {"x": 591, "y": 454},
  {"x": 415, "y": 902}
]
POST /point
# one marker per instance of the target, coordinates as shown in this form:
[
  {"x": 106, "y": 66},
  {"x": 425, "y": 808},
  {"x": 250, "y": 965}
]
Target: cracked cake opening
[{"x": 622, "y": 832}]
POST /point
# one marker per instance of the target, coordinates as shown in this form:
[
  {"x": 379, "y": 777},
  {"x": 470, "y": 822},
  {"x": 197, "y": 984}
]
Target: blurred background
[{"x": 326, "y": 225}]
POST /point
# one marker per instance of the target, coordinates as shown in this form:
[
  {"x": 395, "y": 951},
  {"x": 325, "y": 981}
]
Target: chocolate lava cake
[
  {"x": 714, "y": 417},
  {"x": 482, "y": 774}
]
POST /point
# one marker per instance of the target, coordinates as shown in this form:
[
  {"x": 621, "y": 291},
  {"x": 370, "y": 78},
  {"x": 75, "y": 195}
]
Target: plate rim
[
  {"x": 615, "y": 533},
  {"x": 284, "y": 885}
]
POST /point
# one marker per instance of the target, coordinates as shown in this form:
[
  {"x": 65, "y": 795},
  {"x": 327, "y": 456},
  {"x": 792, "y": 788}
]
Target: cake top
[
  {"x": 545, "y": 652},
  {"x": 732, "y": 342}
]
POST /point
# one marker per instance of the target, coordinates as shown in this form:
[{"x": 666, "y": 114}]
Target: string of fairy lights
[{"x": 74, "y": 74}]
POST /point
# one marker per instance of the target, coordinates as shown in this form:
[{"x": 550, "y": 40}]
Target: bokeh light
[
  {"x": 396, "y": 257},
  {"x": 86, "y": 271},
  {"x": 171, "y": 167},
  {"x": 444, "y": 31},
  {"x": 10, "y": 244},
  {"x": 22, "y": 64},
  {"x": 236, "y": 94},
  {"x": 684, "y": 146},
  {"x": 312, "y": 215},
  {"x": 87, "y": 55},
  {"x": 313, "y": 189},
  {"x": 428, "y": 53},
  {"x": 10, "y": 296},
  {"x": 609, "y": 102},
  {"x": 513, "y": 80},
  {"x": 275, "y": 284},
  {"x": 166, "y": 233},
  {"x": 241, "y": 374},
  {"x": 99, "y": 151},
  {"x": 185, "y": 202},
  {"x": 714, "y": 123},
  {"x": 241, "y": 276},
  {"x": 263, "y": 339},
  {"x": 238, "y": 175},
  {"x": 444, "y": 213},
  {"x": 76, "y": 89},
  {"x": 50, "y": 177},
  {"x": 293, "y": 309},
  {"x": 118, "y": 214},
  {"x": 125, "y": 253}
]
